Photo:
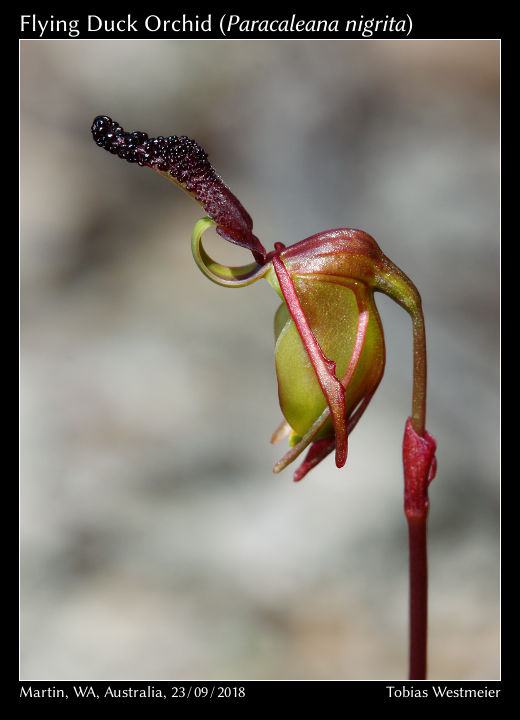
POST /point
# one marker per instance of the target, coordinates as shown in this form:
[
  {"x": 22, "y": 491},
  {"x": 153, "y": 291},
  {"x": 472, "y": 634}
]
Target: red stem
[
  {"x": 419, "y": 470},
  {"x": 418, "y": 597}
]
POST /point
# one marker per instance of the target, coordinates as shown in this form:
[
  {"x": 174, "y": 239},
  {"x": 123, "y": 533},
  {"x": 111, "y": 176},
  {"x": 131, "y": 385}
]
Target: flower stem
[
  {"x": 417, "y": 512},
  {"x": 418, "y": 597},
  {"x": 419, "y": 466},
  {"x": 419, "y": 371},
  {"x": 419, "y": 469}
]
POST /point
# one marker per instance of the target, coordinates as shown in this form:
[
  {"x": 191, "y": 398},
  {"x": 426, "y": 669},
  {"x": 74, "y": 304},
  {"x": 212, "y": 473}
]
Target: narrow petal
[
  {"x": 332, "y": 388},
  {"x": 317, "y": 452},
  {"x": 282, "y": 431},
  {"x": 306, "y": 440},
  {"x": 363, "y": 299}
]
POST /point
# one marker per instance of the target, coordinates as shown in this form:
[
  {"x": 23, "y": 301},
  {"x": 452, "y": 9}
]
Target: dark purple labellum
[{"x": 184, "y": 161}]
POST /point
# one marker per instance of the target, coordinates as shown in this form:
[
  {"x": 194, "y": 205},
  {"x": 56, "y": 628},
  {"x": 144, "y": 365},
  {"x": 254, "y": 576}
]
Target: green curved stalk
[{"x": 222, "y": 274}]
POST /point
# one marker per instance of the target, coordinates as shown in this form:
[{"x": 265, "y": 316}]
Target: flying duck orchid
[{"x": 329, "y": 351}]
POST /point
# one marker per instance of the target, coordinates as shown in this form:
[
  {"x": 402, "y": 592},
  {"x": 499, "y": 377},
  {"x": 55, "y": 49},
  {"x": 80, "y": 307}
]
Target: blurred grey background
[{"x": 155, "y": 541}]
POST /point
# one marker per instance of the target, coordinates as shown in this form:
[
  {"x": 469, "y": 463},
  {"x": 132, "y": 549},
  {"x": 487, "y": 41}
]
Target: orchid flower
[{"x": 329, "y": 351}]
